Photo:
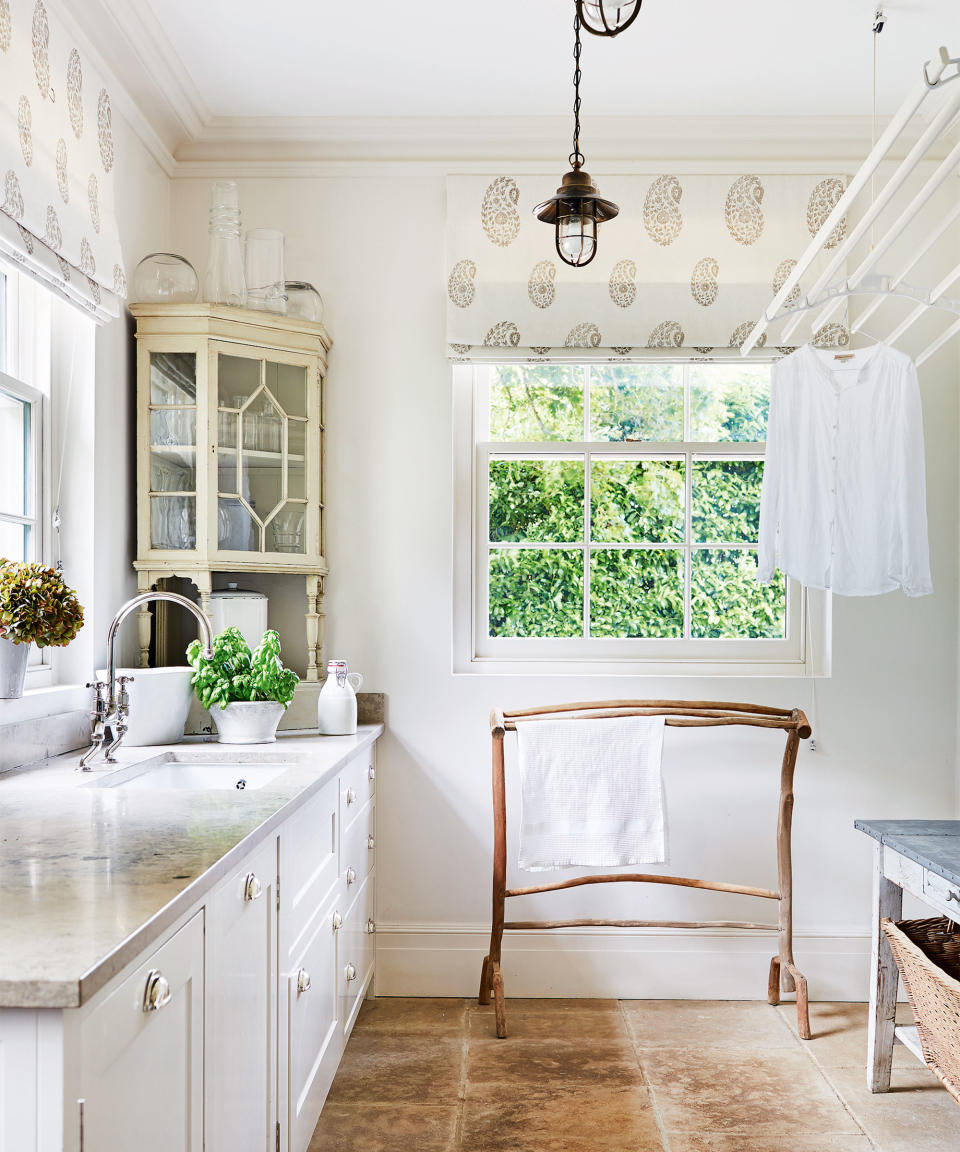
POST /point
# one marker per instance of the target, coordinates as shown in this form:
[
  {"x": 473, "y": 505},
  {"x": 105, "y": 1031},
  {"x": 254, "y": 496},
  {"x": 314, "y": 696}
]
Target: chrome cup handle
[{"x": 156, "y": 992}]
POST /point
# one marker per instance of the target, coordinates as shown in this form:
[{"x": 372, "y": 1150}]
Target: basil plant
[{"x": 237, "y": 674}]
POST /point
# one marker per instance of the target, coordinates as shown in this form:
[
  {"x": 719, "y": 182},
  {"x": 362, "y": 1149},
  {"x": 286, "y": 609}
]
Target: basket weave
[{"x": 927, "y": 953}]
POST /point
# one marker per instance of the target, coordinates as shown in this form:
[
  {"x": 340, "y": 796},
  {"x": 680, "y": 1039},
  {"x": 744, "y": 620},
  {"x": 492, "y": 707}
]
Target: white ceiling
[{"x": 513, "y": 57}]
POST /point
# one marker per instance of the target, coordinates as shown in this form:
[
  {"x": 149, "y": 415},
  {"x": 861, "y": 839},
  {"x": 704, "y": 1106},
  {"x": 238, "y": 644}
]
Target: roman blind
[
  {"x": 684, "y": 270},
  {"x": 57, "y": 162}
]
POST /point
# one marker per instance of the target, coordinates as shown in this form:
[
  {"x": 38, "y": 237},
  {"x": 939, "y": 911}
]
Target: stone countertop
[{"x": 91, "y": 876}]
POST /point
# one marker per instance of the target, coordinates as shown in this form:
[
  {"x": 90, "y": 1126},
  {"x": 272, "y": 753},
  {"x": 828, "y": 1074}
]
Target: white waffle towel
[{"x": 592, "y": 793}]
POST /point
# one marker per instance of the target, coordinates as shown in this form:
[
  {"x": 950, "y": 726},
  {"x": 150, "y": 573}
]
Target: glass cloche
[
  {"x": 163, "y": 278},
  {"x": 303, "y": 300}
]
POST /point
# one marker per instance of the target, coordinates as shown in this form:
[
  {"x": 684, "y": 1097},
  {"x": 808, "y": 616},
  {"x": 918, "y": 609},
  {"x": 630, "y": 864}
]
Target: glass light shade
[
  {"x": 303, "y": 300},
  {"x": 608, "y": 17},
  {"x": 576, "y": 236},
  {"x": 163, "y": 278}
]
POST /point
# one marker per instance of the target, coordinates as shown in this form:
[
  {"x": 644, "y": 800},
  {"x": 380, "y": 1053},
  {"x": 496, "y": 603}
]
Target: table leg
[{"x": 884, "y": 979}]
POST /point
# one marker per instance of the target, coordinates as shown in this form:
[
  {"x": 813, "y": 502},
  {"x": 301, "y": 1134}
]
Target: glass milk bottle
[{"x": 337, "y": 702}]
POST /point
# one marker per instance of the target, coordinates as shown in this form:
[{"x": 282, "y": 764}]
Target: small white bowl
[{"x": 247, "y": 721}]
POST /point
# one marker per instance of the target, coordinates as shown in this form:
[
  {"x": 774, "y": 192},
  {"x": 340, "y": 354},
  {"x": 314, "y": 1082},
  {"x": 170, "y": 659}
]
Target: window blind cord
[{"x": 57, "y": 519}]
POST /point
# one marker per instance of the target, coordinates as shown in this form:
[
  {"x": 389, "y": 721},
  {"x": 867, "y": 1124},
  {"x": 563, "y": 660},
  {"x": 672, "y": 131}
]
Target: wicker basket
[{"x": 927, "y": 953}]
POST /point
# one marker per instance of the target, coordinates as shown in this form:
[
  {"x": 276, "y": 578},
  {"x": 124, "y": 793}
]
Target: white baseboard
[{"x": 642, "y": 964}]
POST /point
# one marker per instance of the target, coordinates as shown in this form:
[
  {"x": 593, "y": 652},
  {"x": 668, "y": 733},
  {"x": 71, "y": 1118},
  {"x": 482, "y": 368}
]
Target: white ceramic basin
[
  {"x": 159, "y": 703},
  {"x": 193, "y": 776}
]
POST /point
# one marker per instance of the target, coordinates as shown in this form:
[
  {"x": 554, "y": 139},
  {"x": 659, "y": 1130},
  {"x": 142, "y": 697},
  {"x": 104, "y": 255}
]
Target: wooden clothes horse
[{"x": 784, "y": 974}]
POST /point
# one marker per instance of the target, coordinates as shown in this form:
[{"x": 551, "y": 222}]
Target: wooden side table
[{"x": 921, "y": 857}]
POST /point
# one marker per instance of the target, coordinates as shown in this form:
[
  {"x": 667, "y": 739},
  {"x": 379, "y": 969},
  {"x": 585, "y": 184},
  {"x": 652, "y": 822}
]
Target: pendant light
[
  {"x": 576, "y": 210},
  {"x": 608, "y": 17}
]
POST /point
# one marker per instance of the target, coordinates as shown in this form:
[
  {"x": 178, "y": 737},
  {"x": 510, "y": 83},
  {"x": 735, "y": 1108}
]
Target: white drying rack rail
[{"x": 826, "y": 294}]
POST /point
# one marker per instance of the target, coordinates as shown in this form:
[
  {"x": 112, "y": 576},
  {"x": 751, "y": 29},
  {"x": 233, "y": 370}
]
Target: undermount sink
[{"x": 191, "y": 775}]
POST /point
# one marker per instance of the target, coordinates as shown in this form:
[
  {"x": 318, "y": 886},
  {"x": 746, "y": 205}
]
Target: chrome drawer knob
[
  {"x": 371, "y": 773},
  {"x": 337, "y": 921},
  {"x": 350, "y": 973},
  {"x": 303, "y": 981},
  {"x": 252, "y": 888},
  {"x": 351, "y": 875},
  {"x": 371, "y": 842},
  {"x": 371, "y": 927},
  {"x": 351, "y": 796},
  {"x": 156, "y": 992}
]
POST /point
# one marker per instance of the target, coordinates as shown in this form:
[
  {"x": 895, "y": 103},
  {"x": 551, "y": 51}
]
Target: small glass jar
[
  {"x": 303, "y": 300},
  {"x": 164, "y": 278}
]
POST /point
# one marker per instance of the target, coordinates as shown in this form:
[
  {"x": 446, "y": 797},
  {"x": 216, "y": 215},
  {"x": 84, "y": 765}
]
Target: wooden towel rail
[{"x": 784, "y": 974}]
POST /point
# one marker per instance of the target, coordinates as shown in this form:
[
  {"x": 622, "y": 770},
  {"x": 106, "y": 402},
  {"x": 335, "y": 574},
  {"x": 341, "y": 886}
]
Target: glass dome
[
  {"x": 303, "y": 300},
  {"x": 163, "y": 278}
]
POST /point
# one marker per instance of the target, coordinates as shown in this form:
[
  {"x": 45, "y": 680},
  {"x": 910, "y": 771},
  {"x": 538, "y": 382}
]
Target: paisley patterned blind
[
  {"x": 686, "y": 268},
  {"x": 57, "y": 158}
]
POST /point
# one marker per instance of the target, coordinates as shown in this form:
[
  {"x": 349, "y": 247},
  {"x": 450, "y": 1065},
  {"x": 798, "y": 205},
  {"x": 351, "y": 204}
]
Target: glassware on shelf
[
  {"x": 164, "y": 278},
  {"x": 263, "y": 268},
  {"x": 288, "y": 530},
  {"x": 270, "y": 428},
  {"x": 224, "y": 281},
  {"x": 303, "y": 300}
]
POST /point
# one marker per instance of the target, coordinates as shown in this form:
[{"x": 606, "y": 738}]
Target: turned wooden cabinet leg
[
  {"x": 313, "y": 628},
  {"x": 144, "y": 620},
  {"x": 884, "y": 979}
]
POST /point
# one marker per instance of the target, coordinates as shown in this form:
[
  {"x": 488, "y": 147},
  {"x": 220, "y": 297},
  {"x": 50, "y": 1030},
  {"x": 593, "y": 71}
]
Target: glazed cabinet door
[
  {"x": 141, "y": 1054},
  {"x": 241, "y": 1007}
]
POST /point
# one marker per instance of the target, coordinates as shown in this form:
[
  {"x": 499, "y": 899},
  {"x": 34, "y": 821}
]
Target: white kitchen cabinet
[
  {"x": 141, "y": 1055},
  {"x": 240, "y": 995}
]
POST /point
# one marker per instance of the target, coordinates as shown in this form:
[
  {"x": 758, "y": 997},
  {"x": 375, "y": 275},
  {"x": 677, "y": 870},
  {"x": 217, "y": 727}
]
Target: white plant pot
[
  {"x": 13, "y": 668},
  {"x": 159, "y": 703},
  {"x": 247, "y": 721}
]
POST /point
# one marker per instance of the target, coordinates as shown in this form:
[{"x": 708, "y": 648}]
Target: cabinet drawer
[
  {"x": 358, "y": 784},
  {"x": 355, "y": 965},
  {"x": 308, "y": 866},
  {"x": 941, "y": 893},
  {"x": 358, "y": 852},
  {"x": 142, "y": 1070},
  {"x": 903, "y": 871},
  {"x": 312, "y": 1028}
]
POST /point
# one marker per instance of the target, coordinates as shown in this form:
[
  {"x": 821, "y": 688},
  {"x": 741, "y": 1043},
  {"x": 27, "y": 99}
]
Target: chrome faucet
[{"x": 112, "y": 700}]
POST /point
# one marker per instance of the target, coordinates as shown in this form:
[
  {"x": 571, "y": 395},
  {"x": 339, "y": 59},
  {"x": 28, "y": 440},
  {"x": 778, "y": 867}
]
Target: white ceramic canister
[
  {"x": 337, "y": 702},
  {"x": 233, "y": 607}
]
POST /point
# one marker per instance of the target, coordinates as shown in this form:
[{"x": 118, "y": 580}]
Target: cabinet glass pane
[
  {"x": 173, "y": 377},
  {"x": 227, "y": 424},
  {"x": 173, "y": 426},
  {"x": 174, "y": 470},
  {"x": 285, "y": 533},
  {"x": 237, "y": 379},
  {"x": 288, "y": 384},
  {"x": 237, "y": 531},
  {"x": 173, "y": 522}
]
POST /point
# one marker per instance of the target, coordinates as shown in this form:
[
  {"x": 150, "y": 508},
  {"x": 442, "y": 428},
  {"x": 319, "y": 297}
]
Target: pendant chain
[{"x": 576, "y": 156}]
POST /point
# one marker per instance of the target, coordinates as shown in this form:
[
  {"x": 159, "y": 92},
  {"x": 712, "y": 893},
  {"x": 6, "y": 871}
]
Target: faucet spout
[{"x": 116, "y": 710}]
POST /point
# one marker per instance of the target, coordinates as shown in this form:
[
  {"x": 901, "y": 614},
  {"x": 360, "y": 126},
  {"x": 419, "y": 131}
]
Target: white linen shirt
[{"x": 843, "y": 505}]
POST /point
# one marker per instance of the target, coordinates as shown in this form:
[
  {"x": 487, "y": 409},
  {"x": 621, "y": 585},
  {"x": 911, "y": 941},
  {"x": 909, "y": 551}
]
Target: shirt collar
[{"x": 868, "y": 358}]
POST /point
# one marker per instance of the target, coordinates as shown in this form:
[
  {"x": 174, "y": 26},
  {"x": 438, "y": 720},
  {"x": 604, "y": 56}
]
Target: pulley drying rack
[
  {"x": 827, "y": 294},
  {"x": 784, "y": 974}
]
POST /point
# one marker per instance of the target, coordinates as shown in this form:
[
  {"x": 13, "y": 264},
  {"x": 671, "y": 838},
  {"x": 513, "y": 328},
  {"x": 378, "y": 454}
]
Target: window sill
[
  {"x": 690, "y": 669},
  {"x": 38, "y": 703}
]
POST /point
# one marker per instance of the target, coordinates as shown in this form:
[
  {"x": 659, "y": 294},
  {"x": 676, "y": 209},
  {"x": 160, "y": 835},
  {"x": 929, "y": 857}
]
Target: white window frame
[
  {"x": 27, "y": 328},
  {"x": 804, "y": 651}
]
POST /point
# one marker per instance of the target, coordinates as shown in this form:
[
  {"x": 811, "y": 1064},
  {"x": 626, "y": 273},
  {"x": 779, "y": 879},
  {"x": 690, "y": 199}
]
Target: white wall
[{"x": 885, "y": 721}]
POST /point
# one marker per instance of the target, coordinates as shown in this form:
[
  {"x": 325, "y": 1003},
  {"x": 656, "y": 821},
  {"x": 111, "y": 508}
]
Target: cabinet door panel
[
  {"x": 355, "y": 962},
  {"x": 313, "y": 1033},
  {"x": 142, "y": 1072},
  {"x": 241, "y": 1007},
  {"x": 308, "y": 867}
]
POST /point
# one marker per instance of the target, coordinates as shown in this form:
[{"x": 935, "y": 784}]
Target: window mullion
[
  {"x": 587, "y": 532},
  {"x": 688, "y": 541}
]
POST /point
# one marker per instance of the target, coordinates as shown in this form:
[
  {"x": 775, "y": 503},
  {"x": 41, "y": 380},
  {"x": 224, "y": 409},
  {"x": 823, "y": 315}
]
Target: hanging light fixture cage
[
  {"x": 577, "y": 210},
  {"x": 608, "y": 17}
]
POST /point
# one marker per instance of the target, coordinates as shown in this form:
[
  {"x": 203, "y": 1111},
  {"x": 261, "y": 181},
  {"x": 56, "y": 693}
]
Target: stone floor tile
[
  {"x": 554, "y": 1065},
  {"x": 917, "y": 1115},
  {"x": 388, "y": 1068},
  {"x": 552, "y": 1019},
  {"x": 385, "y": 1128},
  {"x": 749, "y": 1091},
  {"x": 737, "y": 1142},
  {"x": 840, "y": 1034},
  {"x": 601, "y": 1118},
  {"x": 707, "y": 1024},
  {"x": 395, "y": 1014}
]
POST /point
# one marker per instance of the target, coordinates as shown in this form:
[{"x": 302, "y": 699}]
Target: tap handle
[
  {"x": 123, "y": 696},
  {"x": 100, "y": 700}
]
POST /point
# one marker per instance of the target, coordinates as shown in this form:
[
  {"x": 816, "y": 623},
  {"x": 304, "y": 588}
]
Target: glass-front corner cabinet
[{"x": 230, "y": 443}]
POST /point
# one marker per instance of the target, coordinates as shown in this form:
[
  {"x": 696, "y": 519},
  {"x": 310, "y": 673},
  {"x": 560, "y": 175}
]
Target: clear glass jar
[
  {"x": 303, "y": 300},
  {"x": 164, "y": 278},
  {"x": 224, "y": 281}
]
